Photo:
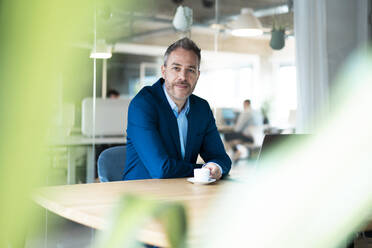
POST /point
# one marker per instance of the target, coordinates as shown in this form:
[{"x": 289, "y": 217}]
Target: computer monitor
[
  {"x": 272, "y": 142},
  {"x": 111, "y": 116},
  {"x": 228, "y": 116}
]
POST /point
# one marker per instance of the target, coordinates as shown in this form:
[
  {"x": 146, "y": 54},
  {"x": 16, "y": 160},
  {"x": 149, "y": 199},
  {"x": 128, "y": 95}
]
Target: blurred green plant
[
  {"x": 277, "y": 40},
  {"x": 37, "y": 50},
  {"x": 277, "y": 27},
  {"x": 34, "y": 38},
  {"x": 133, "y": 212}
]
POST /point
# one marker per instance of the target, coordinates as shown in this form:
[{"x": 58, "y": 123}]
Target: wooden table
[{"x": 89, "y": 204}]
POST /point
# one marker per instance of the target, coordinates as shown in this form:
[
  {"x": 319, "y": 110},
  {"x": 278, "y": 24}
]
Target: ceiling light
[
  {"x": 182, "y": 20},
  {"x": 246, "y": 25},
  {"x": 101, "y": 51}
]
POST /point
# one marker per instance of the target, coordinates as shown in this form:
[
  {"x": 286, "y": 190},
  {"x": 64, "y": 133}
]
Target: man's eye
[
  {"x": 191, "y": 70},
  {"x": 176, "y": 68}
]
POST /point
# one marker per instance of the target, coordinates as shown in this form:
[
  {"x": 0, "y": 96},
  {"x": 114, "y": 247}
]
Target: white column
[
  {"x": 104, "y": 78},
  {"x": 312, "y": 62}
]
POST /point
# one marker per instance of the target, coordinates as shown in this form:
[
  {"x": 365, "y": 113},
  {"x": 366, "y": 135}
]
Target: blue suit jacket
[{"x": 153, "y": 143}]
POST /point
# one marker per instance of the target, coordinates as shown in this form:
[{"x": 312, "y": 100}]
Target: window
[
  {"x": 284, "y": 102},
  {"x": 226, "y": 87}
]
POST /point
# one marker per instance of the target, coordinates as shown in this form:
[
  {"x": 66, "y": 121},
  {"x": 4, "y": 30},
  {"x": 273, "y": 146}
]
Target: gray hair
[{"x": 184, "y": 43}]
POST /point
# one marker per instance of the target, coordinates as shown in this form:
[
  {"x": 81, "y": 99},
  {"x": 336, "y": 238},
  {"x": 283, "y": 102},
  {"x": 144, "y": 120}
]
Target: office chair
[{"x": 111, "y": 164}]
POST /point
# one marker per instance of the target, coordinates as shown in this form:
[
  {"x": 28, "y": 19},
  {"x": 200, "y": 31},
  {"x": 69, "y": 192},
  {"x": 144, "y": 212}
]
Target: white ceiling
[{"x": 126, "y": 21}]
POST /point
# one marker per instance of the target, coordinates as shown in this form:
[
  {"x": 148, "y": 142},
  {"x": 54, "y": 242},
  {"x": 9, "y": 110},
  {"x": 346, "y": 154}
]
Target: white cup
[{"x": 201, "y": 175}]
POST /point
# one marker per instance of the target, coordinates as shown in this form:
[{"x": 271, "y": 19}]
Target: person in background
[
  {"x": 244, "y": 129},
  {"x": 113, "y": 94},
  {"x": 168, "y": 126}
]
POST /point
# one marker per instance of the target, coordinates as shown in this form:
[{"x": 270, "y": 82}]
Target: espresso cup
[{"x": 202, "y": 175}]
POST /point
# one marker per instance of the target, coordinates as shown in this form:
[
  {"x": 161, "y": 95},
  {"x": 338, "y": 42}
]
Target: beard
[{"x": 180, "y": 90}]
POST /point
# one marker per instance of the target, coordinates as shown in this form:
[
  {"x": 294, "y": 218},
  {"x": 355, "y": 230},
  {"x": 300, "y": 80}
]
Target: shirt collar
[{"x": 173, "y": 104}]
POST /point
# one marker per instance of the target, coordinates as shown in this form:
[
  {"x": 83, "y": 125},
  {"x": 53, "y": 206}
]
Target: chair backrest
[{"x": 111, "y": 164}]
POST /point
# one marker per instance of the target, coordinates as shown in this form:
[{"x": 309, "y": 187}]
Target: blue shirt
[{"x": 181, "y": 120}]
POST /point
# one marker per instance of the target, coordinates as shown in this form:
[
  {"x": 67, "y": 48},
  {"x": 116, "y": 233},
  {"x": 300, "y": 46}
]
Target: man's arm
[
  {"x": 213, "y": 150},
  {"x": 143, "y": 132},
  {"x": 241, "y": 122}
]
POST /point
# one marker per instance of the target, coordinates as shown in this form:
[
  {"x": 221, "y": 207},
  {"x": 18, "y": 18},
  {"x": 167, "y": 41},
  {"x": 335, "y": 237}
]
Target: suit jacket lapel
[
  {"x": 172, "y": 121},
  {"x": 192, "y": 128},
  {"x": 173, "y": 129}
]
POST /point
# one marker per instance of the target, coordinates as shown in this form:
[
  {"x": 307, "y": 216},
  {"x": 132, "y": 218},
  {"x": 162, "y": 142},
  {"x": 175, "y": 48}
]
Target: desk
[
  {"x": 80, "y": 140},
  {"x": 89, "y": 204}
]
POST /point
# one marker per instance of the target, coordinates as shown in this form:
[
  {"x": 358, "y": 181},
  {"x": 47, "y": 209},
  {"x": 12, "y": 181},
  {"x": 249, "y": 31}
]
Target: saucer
[{"x": 192, "y": 180}]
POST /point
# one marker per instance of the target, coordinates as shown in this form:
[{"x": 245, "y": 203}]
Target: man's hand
[{"x": 214, "y": 169}]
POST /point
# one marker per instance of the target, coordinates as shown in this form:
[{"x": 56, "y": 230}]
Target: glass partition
[{"x": 122, "y": 51}]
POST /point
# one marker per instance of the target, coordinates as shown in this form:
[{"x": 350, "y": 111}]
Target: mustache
[{"x": 182, "y": 83}]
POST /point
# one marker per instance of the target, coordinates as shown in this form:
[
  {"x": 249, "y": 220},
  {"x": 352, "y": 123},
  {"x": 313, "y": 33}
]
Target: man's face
[{"x": 180, "y": 74}]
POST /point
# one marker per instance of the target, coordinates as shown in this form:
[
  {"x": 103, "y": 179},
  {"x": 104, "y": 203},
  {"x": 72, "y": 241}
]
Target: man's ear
[
  {"x": 163, "y": 71},
  {"x": 198, "y": 75}
]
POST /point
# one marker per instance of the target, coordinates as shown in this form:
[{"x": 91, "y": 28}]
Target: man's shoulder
[
  {"x": 149, "y": 93},
  {"x": 199, "y": 106},
  {"x": 144, "y": 92},
  {"x": 198, "y": 100}
]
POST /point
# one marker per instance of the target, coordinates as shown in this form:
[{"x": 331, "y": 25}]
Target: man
[
  {"x": 247, "y": 119},
  {"x": 113, "y": 94},
  {"x": 248, "y": 125},
  {"x": 168, "y": 126}
]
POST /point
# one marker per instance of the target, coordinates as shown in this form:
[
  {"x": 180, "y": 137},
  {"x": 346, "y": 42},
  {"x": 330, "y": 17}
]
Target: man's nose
[{"x": 182, "y": 74}]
